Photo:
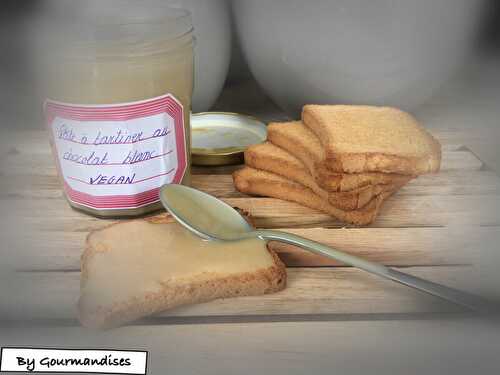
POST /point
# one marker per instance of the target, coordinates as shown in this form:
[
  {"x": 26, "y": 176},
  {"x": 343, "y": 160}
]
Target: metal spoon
[{"x": 212, "y": 219}]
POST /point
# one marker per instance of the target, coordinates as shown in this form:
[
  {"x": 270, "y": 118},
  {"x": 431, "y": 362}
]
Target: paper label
[{"x": 118, "y": 156}]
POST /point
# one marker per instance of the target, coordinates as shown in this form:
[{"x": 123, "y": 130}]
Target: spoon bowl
[{"x": 203, "y": 214}]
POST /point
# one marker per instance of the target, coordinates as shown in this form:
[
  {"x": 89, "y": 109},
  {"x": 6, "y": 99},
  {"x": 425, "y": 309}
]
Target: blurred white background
[{"x": 218, "y": 45}]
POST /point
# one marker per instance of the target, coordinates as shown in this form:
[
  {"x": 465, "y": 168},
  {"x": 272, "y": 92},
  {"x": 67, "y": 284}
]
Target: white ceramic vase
[
  {"x": 212, "y": 51},
  {"x": 354, "y": 51}
]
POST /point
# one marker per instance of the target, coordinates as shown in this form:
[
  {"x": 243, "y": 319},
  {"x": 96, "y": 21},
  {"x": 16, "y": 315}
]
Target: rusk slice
[
  {"x": 360, "y": 139},
  {"x": 299, "y": 141},
  {"x": 137, "y": 268},
  {"x": 303, "y": 144},
  {"x": 271, "y": 158},
  {"x": 256, "y": 182}
]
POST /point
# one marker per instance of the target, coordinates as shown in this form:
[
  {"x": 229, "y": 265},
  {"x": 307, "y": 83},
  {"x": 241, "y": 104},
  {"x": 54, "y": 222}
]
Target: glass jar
[{"x": 118, "y": 96}]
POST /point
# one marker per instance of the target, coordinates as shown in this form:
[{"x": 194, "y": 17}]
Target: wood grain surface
[{"x": 434, "y": 227}]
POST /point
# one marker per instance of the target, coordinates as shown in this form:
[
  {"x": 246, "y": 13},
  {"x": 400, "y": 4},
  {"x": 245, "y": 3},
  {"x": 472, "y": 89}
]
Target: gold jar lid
[{"x": 220, "y": 138}]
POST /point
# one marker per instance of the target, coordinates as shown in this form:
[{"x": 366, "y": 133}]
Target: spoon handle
[{"x": 465, "y": 299}]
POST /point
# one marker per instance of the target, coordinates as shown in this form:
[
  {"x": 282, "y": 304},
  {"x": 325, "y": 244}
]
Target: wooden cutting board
[{"x": 434, "y": 227}]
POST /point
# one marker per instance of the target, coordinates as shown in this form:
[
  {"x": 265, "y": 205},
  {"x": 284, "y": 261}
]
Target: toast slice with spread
[{"x": 137, "y": 268}]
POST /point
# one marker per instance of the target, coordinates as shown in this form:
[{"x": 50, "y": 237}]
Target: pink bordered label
[{"x": 118, "y": 156}]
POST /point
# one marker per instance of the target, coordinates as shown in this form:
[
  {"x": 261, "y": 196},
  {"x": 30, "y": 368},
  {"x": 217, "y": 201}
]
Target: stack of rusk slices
[{"x": 343, "y": 160}]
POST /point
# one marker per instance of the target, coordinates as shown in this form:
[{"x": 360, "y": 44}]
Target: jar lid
[{"x": 220, "y": 138}]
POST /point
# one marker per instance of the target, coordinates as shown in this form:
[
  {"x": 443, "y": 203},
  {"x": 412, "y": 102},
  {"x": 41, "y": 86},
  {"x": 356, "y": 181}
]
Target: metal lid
[{"x": 220, "y": 138}]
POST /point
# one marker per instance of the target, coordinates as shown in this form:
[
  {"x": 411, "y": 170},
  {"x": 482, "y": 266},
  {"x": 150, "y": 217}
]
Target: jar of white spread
[{"x": 118, "y": 98}]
